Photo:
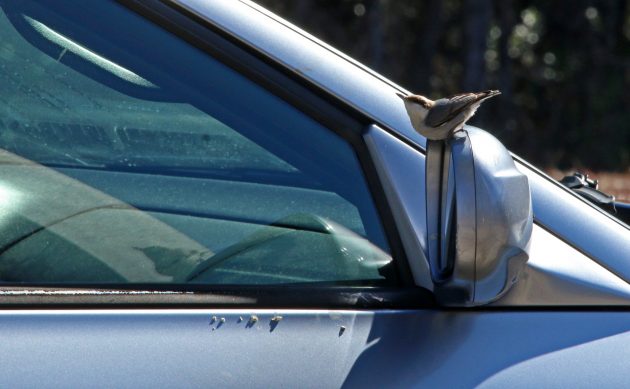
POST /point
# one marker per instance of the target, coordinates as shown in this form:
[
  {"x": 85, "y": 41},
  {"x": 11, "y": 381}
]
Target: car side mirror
[{"x": 479, "y": 218}]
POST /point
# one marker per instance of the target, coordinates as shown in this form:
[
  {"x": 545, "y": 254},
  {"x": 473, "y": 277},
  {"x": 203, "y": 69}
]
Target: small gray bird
[{"x": 437, "y": 120}]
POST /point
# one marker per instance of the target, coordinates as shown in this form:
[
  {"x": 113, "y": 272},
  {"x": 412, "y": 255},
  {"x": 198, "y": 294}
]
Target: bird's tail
[{"x": 488, "y": 94}]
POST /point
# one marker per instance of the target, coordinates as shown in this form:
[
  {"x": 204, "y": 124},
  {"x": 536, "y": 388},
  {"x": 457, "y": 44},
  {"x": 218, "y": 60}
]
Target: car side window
[{"x": 128, "y": 156}]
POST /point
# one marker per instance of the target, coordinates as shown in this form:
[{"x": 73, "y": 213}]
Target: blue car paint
[{"x": 394, "y": 349}]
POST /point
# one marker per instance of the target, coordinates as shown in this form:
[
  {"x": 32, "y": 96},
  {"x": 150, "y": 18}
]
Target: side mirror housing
[{"x": 479, "y": 218}]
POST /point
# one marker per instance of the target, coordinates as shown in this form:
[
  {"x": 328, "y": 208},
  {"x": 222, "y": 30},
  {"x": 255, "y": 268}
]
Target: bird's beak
[{"x": 401, "y": 95}]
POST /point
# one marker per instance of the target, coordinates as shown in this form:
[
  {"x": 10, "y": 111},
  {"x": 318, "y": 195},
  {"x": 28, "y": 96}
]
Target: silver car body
[{"x": 565, "y": 323}]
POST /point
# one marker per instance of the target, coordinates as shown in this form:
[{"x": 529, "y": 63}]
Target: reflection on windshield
[
  {"x": 60, "y": 228},
  {"x": 68, "y": 45}
]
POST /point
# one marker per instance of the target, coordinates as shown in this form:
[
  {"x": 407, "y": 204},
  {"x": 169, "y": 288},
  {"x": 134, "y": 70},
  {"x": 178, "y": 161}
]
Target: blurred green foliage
[{"x": 563, "y": 66}]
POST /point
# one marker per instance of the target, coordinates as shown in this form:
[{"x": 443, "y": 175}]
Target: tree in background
[{"x": 563, "y": 67}]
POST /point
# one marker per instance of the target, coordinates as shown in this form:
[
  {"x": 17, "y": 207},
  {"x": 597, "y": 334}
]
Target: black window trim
[
  {"x": 312, "y": 101},
  {"x": 140, "y": 296}
]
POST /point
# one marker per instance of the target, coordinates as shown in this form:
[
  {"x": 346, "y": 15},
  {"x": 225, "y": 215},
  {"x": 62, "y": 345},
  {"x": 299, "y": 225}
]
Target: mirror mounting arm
[{"x": 479, "y": 218}]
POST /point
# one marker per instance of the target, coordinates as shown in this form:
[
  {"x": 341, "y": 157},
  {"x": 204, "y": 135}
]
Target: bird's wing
[{"x": 446, "y": 109}]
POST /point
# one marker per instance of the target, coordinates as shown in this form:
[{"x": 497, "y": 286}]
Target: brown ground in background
[{"x": 617, "y": 184}]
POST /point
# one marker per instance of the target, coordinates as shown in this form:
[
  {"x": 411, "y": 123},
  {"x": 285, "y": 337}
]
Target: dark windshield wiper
[{"x": 588, "y": 188}]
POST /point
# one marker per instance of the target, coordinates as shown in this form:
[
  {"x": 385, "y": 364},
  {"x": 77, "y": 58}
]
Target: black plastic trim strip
[
  {"x": 244, "y": 297},
  {"x": 539, "y": 308}
]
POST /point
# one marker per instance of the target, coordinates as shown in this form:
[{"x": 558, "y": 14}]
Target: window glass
[{"x": 128, "y": 156}]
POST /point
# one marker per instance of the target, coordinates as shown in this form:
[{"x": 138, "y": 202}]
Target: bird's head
[{"x": 417, "y": 107}]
